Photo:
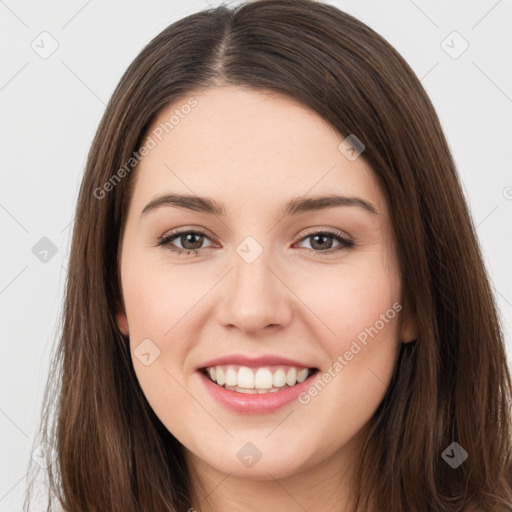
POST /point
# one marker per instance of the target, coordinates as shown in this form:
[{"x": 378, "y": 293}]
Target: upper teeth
[{"x": 265, "y": 377}]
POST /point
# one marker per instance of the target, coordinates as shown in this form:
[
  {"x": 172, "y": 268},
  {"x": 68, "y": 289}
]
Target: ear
[
  {"x": 408, "y": 330},
  {"x": 122, "y": 320}
]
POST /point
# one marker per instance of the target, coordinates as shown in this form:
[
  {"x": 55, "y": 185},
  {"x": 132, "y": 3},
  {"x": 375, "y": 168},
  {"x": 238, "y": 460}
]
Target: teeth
[
  {"x": 263, "y": 379},
  {"x": 257, "y": 380},
  {"x": 231, "y": 377},
  {"x": 279, "y": 378},
  {"x": 291, "y": 376},
  {"x": 245, "y": 378},
  {"x": 302, "y": 375},
  {"x": 221, "y": 376}
]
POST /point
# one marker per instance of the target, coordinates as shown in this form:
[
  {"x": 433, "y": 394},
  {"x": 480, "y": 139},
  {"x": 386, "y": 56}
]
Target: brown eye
[
  {"x": 189, "y": 240},
  {"x": 322, "y": 242}
]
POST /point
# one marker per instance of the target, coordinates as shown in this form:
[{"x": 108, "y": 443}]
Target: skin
[{"x": 253, "y": 151}]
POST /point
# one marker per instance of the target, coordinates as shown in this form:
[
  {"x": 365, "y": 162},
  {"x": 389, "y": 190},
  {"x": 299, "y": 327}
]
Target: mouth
[{"x": 257, "y": 380}]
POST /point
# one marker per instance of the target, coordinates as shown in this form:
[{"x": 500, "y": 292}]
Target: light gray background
[{"x": 50, "y": 109}]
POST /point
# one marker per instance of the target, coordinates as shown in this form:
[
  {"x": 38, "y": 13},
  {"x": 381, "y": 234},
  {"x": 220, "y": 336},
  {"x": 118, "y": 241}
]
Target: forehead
[{"x": 251, "y": 147}]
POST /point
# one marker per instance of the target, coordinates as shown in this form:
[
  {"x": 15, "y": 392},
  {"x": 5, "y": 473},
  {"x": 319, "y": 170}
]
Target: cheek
[
  {"x": 158, "y": 299},
  {"x": 348, "y": 301},
  {"x": 158, "y": 303},
  {"x": 361, "y": 310},
  {"x": 357, "y": 312}
]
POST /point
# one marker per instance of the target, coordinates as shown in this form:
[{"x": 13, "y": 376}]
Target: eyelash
[{"x": 345, "y": 242}]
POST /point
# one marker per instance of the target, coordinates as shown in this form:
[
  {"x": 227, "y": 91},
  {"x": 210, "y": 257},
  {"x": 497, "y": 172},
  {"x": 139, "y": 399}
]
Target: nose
[{"x": 255, "y": 297}]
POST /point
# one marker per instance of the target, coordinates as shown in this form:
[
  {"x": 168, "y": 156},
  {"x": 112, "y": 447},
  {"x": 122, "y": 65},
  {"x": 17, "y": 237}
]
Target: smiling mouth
[{"x": 266, "y": 379}]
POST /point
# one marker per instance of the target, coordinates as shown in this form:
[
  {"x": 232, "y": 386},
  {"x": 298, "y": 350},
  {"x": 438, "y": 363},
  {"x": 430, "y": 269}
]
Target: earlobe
[
  {"x": 122, "y": 322},
  {"x": 408, "y": 331}
]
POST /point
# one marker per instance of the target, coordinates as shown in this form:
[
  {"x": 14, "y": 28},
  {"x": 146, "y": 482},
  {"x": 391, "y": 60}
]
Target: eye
[
  {"x": 321, "y": 242},
  {"x": 192, "y": 241}
]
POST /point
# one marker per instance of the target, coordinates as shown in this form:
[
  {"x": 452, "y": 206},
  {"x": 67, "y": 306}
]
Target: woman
[{"x": 276, "y": 297}]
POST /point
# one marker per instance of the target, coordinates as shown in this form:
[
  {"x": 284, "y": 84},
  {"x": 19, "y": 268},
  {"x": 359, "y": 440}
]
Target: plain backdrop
[{"x": 60, "y": 62}]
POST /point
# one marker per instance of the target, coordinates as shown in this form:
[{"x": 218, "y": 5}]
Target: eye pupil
[
  {"x": 186, "y": 239},
  {"x": 322, "y": 245}
]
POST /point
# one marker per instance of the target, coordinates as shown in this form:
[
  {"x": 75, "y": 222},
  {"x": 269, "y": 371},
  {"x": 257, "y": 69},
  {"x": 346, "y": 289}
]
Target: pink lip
[
  {"x": 254, "y": 403},
  {"x": 253, "y": 362}
]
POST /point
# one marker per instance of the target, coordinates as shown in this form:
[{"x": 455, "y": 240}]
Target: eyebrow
[{"x": 295, "y": 206}]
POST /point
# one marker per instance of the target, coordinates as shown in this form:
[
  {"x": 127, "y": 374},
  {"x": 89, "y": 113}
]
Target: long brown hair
[{"x": 450, "y": 385}]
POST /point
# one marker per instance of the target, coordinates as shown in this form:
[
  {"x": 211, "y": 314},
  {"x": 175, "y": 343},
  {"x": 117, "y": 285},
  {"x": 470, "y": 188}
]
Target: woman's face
[{"x": 257, "y": 292}]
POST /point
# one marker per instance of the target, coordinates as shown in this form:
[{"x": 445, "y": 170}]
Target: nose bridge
[{"x": 256, "y": 296}]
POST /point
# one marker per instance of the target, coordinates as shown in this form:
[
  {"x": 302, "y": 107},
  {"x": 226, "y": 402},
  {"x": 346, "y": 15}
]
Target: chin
[{"x": 247, "y": 461}]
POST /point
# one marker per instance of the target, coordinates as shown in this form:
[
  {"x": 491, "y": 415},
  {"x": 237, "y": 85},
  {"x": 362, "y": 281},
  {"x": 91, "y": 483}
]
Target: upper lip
[{"x": 242, "y": 360}]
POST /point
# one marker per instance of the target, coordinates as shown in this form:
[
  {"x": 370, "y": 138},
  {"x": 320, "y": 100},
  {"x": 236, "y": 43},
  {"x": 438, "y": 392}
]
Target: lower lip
[{"x": 246, "y": 403}]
